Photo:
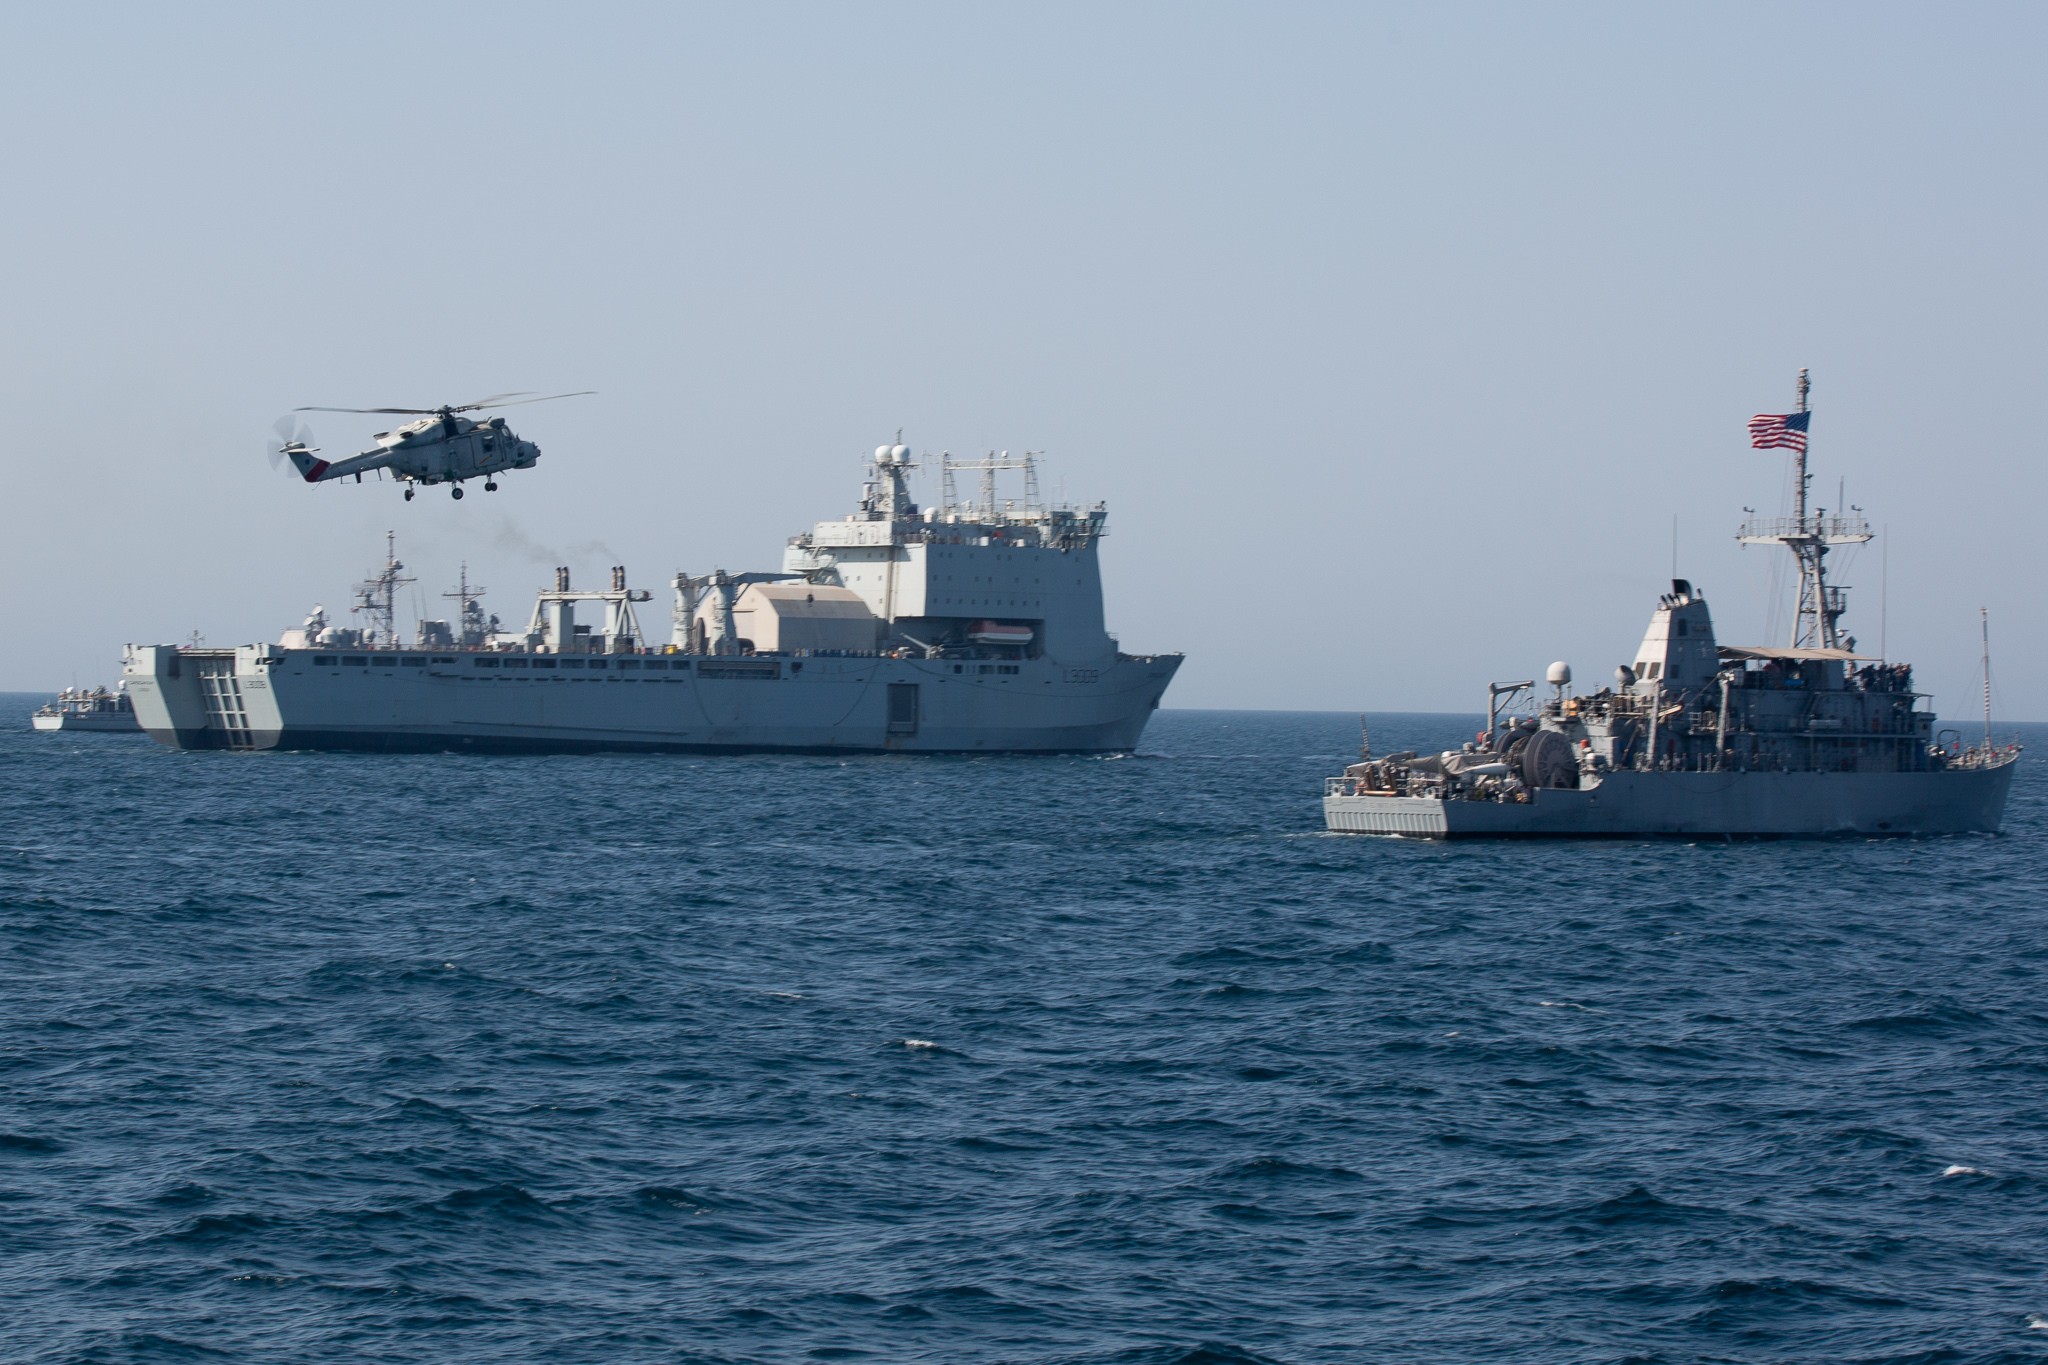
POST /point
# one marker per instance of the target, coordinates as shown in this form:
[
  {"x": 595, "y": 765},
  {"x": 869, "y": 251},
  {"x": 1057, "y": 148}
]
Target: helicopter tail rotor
[{"x": 295, "y": 443}]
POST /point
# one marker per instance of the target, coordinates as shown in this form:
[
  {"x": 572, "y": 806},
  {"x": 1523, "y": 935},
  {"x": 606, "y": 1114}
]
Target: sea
[{"x": 1082, "y": 1061}]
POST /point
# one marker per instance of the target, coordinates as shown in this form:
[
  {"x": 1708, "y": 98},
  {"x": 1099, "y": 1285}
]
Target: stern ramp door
[{"x": 902, "y": 708}]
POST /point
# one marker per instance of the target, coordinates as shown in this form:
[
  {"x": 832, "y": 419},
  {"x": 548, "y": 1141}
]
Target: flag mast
[
  {"x": 1811, "y": 551},
  {"x": 1805, "y": 387},
  {"x": 1814, "y": 623}
]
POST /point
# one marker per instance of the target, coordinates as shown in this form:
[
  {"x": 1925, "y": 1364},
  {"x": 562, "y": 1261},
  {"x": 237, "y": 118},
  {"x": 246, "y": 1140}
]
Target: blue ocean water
[{"x": 622, "y": 1059}]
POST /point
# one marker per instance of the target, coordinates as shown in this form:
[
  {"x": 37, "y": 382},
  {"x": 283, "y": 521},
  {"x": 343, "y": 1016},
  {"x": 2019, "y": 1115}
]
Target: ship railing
[
  {"x": 1980, "y": 756},
  {"x": 1408, "y": 783},
  {"x": 1357, "y": 786}
]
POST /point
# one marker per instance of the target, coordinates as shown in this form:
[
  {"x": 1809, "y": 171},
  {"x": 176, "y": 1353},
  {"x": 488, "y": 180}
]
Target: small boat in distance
[
  {"x": 98, "y": 709},
  {"x": 1696, "y": 738}
]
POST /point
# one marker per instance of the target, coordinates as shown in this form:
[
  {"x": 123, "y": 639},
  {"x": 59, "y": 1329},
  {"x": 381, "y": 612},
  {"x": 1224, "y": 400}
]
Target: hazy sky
[{"x": 1395, "y": 336}]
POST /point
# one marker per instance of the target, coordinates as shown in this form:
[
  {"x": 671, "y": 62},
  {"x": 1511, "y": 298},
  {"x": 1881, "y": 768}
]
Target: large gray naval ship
[
  {"x": 1696, "y": 738},
  {"x": 974, "y": 626}
]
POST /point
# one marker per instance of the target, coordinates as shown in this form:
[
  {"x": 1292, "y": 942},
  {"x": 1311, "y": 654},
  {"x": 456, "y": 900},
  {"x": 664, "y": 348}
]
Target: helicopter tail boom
[{"x": 313, "y": 469}]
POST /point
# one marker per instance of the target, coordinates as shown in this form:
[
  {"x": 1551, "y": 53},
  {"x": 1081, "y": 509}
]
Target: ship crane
[
  {"x": 554, "y": 612},
  {"x": 723, "y": 589}
]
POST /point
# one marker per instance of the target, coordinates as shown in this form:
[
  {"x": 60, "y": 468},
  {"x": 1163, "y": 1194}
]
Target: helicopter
[{"x": 442, "y": 447}]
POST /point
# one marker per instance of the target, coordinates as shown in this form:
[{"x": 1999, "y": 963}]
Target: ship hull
[
  {"x": 262, "y": 697},
  {"x": 1703, "y": 805},
  {"x": 111, "y": 723}
]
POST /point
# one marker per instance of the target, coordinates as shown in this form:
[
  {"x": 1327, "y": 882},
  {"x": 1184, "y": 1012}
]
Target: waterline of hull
[{"x": 1703, "y": 805}]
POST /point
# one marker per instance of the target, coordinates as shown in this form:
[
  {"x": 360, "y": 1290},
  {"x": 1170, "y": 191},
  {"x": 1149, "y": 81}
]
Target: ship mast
[
  {"x": 1817, "y": 623},
  {"x": 470, "y": 613},
  {"x": 1984, "y": 623},
  {"x": 377, "y": 598}
]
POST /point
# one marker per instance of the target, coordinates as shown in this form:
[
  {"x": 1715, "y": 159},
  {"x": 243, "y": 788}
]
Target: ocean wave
[{"x": 1090, "y": 1064}]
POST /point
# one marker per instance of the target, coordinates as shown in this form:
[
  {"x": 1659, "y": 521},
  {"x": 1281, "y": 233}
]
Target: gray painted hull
[
  {"x": 265, "y": 697},
  {"x": 1703, "y": 805},
  {"x": 101, "y": 722}
]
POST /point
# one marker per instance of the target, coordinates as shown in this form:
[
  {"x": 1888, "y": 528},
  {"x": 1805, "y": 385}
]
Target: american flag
[{"x": 1786, "y": 429}]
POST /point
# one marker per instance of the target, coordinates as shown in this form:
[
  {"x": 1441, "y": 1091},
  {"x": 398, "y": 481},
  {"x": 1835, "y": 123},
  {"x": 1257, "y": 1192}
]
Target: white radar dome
[
  {"x": 902, "y": 454},
  {"x": 1560, "y": 674},
  {"x": 882, "y": 454}
]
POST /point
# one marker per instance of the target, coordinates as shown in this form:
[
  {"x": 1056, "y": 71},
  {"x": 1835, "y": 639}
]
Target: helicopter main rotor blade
[
  {"x": 414, "y": 412},
  {"x": 549, "y": 398},
  {"x": 494, "y": 399}
]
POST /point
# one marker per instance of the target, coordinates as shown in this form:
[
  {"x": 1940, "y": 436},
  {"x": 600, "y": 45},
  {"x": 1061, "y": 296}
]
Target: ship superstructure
[
  {"x": 967, "y": 627},
  {"x": 1700, "y": 738}
]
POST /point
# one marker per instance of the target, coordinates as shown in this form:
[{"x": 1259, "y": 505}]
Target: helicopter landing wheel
[
  {"x": 490, "y": 488},
  {"x": 408, "y": 495},
  {"x": 455, "y": 492}
]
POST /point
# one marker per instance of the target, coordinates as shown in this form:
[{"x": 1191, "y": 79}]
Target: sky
[{"x": 1409, "y": 345}]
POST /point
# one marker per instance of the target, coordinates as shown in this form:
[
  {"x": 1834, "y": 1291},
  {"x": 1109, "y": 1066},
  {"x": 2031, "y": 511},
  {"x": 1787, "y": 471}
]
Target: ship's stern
[{"x": 191, "y": 698}]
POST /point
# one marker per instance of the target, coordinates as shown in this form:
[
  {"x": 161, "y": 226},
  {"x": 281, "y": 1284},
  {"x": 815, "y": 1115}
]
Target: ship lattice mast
[
  {"x": 469, "y": 607},
  {"x": 377, "y": 598}
]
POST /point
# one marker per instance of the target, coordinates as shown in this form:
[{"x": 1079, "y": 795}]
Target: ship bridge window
[
  {"x": 566, "y": 663},
  {"x": 659, "y": 663},
  {"x": 443, "y": 659},
  {"x": 357, "y": 662},
  {"x": 600, "y": 663},
  {"x": 629, "y": 663},
  {"x": 415, "y": 661},
  {"x": 327, "y": 662},
  {"x": 544, "y": 663},
  {"x": 385, "y": 661},
  {"x": 518, "y": 663},
  {"x": 487, "y": 663}
]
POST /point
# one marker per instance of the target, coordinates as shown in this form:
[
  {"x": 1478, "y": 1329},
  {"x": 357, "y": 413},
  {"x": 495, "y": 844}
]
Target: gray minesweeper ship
[
  {"x": 1702, "y": 739},
  {"x": 971, "y": 627}
]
